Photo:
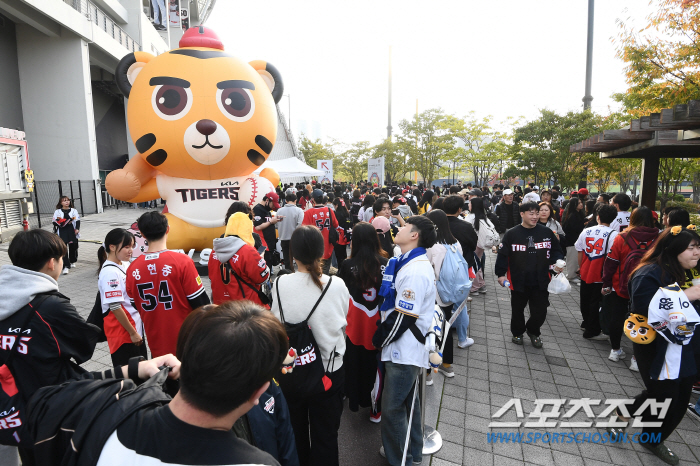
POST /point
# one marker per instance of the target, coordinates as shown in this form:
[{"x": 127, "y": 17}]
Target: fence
[
  {"x": 47, "y": 193},
  {"x": 104, "y": 22}
]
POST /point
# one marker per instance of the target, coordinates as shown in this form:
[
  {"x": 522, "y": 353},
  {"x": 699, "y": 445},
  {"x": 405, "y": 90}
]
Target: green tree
[
  {"x": 662, "y": 58},
  {"x": 352, "y": 162},
  {"x": 485, "y": 148},
  {"x": 315, "y": 150},
  {"x": 395, "y": 156}
]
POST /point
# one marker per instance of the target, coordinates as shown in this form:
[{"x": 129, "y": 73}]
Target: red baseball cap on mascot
[
  {"x": 273, "y": 197},
  {"x": 201, "y": 37}
]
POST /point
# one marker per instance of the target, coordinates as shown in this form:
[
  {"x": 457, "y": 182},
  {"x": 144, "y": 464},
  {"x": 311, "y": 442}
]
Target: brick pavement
[{"x": 488, "y": 374}]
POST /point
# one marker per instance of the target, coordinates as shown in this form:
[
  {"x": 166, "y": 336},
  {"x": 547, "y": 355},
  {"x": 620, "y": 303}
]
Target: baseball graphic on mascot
[{"x": 202, "y": 122}]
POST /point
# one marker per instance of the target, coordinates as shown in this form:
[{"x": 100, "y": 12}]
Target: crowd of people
[{"x": 258, "y": 373}]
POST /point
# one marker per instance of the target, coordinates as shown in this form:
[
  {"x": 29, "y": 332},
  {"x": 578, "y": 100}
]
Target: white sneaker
[
  {"x": 469, "y": 298},
  {"x": 617, "y": 355},
  {"x": 65, "y": 271},
  {"x": 482, "y": 291},
  {"x": 633, "y": 366},
  {"x": 466, "y": 344},
  {"x": 447, "y": 371},
  {"x": 73, "y": 265},
  {"x": 429, "y": 378}
]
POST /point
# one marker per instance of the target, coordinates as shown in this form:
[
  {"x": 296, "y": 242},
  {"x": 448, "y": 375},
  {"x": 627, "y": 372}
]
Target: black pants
[
  {"x": 448, "y": 355},
  {"x": 316, "y": 421},
  {"x": 127, "y": 351},
  {"x": 618, "y": 309},
  {"x": 288, "y": 262},
  {"x": 326, "y": 265},
  {"x": 341, "y": 253},
  {"x": 71, "y": 256},
  {"x": 678, "y": 390},
  {"x": 360, "y": 366},
  {"x": 590, "y": 306},
  {"x": 538, "y": 301}
]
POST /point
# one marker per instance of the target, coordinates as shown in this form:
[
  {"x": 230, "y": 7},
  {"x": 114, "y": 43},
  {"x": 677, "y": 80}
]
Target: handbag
[
  {"x": 488, "y": 237},
  {"x": 12, "y": 403},
  {"x": 264, "y": 298},
  {"x": 96, "y": 318},
  {"x": 333, "y": 236}
]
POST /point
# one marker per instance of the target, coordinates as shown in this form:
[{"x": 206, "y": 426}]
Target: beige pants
[{"x": 571, "y": 263}]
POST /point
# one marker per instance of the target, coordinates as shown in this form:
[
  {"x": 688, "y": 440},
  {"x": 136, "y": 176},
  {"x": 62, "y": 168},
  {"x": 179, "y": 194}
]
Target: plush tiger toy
[{"x": 202, "y": 122}]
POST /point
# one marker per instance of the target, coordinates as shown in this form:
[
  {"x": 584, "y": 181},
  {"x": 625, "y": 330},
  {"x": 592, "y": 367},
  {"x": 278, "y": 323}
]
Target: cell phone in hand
[{"x": 395, "y": 212}]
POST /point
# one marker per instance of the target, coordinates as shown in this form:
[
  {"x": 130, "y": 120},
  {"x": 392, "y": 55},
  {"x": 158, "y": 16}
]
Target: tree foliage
[{"x": 662, "y": 58}]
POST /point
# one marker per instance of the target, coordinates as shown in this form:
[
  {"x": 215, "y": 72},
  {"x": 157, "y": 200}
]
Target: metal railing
[{"x": 104, "y": 22}]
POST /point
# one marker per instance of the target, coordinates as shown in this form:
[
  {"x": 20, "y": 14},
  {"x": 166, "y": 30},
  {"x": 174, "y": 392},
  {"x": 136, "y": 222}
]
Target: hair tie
[{"x": 104, "y": 247}]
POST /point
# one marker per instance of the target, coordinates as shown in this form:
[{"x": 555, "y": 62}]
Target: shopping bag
[{"x": 559, "y": 284}]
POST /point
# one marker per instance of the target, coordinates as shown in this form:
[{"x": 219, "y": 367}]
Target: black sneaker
[
  {"x": 663, "y": 453},
  {"x": 517, "y": 340},
  {"x": 536, "y": 341}
]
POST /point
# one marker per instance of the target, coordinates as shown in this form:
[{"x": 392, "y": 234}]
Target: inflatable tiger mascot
[{"x": 202, "y": 121}]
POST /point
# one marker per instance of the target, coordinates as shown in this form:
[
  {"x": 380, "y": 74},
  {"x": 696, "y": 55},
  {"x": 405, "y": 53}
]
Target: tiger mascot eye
[{"x": 202, "y": 121}]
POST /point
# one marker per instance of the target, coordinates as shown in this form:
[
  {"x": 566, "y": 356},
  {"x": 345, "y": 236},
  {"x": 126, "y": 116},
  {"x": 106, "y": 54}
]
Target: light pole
[{"x": 289, "y": 111}]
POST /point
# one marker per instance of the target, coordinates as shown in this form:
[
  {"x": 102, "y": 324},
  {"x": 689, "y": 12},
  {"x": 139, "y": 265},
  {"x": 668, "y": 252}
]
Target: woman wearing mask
[
  {"x": 675, "y": 252},
  {"x": 572, "y": 222},
  {"x": 316, "y": 418},
  {"x": 122, "y": 322},
  {"x": 547, "y": 219},
  {"x": 362, "y": 274}
]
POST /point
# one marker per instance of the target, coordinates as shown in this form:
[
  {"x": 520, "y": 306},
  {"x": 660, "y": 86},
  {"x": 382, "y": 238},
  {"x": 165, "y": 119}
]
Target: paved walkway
[{"x": 488, "y": 374}]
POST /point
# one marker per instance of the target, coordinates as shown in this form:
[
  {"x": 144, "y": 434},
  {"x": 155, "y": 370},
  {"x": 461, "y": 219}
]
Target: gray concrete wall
[
  {"x": 10, "y": 101},
  {"x": 57, "y": 105},
  {"x": 110, "y": 129}
]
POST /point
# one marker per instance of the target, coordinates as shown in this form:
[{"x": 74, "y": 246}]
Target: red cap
[
  {"x": 583, "y": 191},
  {"x": 201, "y": 36},
  {"x": 273, "y": 197},
  {"x": 655, "y": 215},
  {"x": 574, "y": 192}
]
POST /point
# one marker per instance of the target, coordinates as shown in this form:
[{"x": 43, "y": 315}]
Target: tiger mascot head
[{"x": 197, "y": 112}]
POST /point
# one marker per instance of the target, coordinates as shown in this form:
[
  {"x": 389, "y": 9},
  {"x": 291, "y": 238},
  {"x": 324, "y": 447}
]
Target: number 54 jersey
[
  {"x": 595, "y": 243},
  {"x": 164, "y": 287}
]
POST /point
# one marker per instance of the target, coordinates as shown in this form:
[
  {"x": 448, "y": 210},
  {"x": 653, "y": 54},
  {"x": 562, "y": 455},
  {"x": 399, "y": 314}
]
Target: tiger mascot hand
[{"x": 122, "y": 184}]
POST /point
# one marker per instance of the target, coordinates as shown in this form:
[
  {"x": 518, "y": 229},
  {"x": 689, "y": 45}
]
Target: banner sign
[
  {"x": 327, "y": 167},
  {"x": 375, "y": 172}
]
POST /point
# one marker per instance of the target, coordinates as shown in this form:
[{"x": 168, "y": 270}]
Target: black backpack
[
  {"x": 13, "y": 413},
  {"x": 308, "y": 377}
]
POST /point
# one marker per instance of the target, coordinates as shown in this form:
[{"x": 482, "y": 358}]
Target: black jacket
[
  {"x": 526, "y": 251},
  {"x": 464, "y": 232},
  {"x": 573, "y": 227},
  {"x": 501, "y": 214},
  {"x": 56, "y": 334},
  {"x": 262, "y": 214}
]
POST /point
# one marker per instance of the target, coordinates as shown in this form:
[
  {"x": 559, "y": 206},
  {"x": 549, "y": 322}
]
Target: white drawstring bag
[{"x": 559, "y": 284}]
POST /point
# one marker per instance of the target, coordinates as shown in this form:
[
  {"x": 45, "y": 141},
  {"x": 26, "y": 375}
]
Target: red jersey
[
  {"x": 324, "y": 219},
  {"x": 160, "y": 285},
  {"x": 248, "y": 265},
  {"x": 595, "y": 243},
  {"x": 112, "y": 286}
]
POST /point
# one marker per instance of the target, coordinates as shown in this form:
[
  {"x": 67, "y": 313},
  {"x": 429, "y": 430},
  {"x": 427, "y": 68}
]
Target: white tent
[{"x": 290, "y": 167}]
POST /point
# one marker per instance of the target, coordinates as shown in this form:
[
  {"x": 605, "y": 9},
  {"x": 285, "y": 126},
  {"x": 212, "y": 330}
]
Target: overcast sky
[{"x": 507, "y": 58}]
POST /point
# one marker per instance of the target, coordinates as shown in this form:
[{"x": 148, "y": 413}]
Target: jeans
[
  {"x": 159, "y": 12},
  {"x": 399, "y": 387},
  {"x": 462, "y": 325}
]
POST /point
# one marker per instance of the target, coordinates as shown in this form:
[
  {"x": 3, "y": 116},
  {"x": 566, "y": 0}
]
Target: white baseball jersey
[
  {"x": 621, "y": 222},
  {"x": 203, "y": 203}
]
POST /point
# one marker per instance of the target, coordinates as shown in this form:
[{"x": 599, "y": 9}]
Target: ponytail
[{"x": 118, "y": 237}]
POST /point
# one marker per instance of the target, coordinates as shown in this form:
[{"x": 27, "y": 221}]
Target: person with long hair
[
  {"x": 122, "y": 322},
  {"x": 477, "y": 214},
  {"x": 362, "y": 274},
  {"x": 547, "y": 219},
  {"x": 436, "y": 255},
  {"x": 640, "y": 234},
  {"x": 572, "y": 222},
  {"x": 66, "y": 223},
  {"x": 425, "y": 202},
  {"x": 344, "y": 230},
  {"x": 315, "y": 419},
  {"x": 366, "y": 211},
  {"x": 676, "y": 251}
]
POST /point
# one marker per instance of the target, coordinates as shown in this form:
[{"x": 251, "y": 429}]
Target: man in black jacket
[
  {"x": 507, "y": 212},
  {"x": 119, "y": 423},
  {"x": 55, "y": 334},
  {"x": 462, "y": 230},
  {"x": 526, "y": 254}
]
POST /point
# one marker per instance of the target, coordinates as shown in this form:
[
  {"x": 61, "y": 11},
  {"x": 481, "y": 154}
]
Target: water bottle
[{"x": 506, "y": 284}]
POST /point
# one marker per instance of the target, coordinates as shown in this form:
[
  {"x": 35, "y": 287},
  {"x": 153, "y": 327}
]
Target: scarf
[
  {"x": 673, "y": 317},
  {"x": 388, "y": 289}
]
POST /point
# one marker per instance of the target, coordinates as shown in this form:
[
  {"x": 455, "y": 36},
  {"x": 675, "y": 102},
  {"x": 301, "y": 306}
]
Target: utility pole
[
  {"x": 388, "y": 128},
  {"x": 587, "y": 98}
]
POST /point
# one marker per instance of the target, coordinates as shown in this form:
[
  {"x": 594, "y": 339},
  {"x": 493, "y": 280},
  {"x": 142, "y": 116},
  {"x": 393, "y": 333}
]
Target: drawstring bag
[
  {"x": 559, "y": 284},
  {"x": 12, "y": 403},
  {"x": 308, "y": 377}
]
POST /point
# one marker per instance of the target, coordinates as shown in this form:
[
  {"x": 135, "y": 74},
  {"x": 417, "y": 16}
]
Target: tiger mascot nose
[{"x": 206, "y": 127}]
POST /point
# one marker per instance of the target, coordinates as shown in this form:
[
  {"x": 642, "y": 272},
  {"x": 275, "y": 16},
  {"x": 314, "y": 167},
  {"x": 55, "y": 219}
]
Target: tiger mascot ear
[
  {"x": 271, "y": 76},
  {"x": 128, "y": 68}
]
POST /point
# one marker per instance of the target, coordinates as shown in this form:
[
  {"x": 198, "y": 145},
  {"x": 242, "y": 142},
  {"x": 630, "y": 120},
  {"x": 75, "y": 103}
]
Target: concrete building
[{"x": 57, "y": 86}]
